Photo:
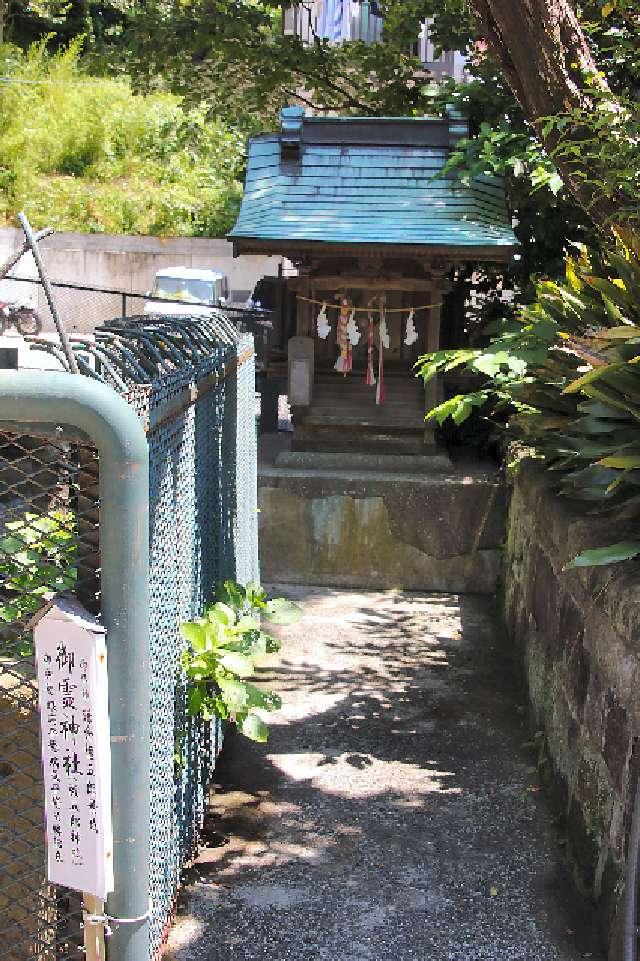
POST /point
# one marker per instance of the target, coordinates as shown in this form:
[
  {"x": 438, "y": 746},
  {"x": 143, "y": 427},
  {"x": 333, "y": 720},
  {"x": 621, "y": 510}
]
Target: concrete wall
[
  {"x": 122, "y": 263},
  {"x": 130, "y": 263},
  {"x": 578, "y": 636},
  {"x": 430, "y": 532}
]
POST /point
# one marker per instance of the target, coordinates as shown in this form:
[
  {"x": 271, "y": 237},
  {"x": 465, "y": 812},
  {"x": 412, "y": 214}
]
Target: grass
[{"x": 86, "y": 153}]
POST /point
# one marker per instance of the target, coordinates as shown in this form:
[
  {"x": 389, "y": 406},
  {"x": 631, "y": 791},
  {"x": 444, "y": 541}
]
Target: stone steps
[{"x": 353, "y": 461}]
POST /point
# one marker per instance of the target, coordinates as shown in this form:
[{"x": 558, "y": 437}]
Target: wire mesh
[
  {"x": 47, "y": 532},
  {"x": 84, "y": 308},
  {"x": 192, "y": 383}
]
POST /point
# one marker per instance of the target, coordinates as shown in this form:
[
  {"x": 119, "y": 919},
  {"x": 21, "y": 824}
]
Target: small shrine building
[{"x": 362, "y": 209}]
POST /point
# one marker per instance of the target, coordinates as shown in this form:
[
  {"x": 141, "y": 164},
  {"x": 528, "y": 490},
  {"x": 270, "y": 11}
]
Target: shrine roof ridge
[{"x": 368, "y": 180}]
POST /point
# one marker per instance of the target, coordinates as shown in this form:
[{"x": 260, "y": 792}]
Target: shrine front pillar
[
  {"x": 304, "y": 311},
  {"x": 301, "y": 352},
  {"x": 432, "y": 389}
]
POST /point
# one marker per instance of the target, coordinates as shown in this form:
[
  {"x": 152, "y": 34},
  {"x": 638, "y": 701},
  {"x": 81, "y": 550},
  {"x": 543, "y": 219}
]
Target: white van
[{"x": 187, "y": 291}]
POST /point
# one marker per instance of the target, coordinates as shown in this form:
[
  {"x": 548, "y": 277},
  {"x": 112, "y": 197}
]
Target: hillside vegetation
[{"x": 86, "y": 153}]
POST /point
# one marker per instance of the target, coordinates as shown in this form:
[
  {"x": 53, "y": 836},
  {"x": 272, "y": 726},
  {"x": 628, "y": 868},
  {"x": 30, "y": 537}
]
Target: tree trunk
[{"x": 544, "y": 56}]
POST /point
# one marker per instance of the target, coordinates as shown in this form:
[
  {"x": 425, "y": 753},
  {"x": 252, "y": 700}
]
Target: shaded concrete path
[{"x": 394, "y": 813}]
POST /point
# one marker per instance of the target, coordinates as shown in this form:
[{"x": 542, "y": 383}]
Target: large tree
[{"x": 550, "y": 64}]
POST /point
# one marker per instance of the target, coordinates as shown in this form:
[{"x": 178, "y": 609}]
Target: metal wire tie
[{"x": 107, "y": 920}]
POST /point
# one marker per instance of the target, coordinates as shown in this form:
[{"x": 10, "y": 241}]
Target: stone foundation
[
  {"x": 372, "y": 529},
  {"x": 578, "y": 636}
]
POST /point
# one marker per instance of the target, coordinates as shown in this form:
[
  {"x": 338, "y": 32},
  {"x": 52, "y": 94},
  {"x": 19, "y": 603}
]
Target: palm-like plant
[{"x": 566, "y": 370}]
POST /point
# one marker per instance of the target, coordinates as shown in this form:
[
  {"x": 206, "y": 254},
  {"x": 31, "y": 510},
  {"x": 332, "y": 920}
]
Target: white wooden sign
[{"x": 71, "y": 661}]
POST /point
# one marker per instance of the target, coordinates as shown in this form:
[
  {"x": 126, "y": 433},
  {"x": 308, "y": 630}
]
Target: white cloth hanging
[
  {"x": 383, "y": 344},
  {"x": 383, "y": 332},
  {"x": 411, "y": 334},
  {"x": 353, "y": 331},
  {"x": 338, "y": 14},
  {"x": 370, "y": 377},
  {"x": 322, "y": 323}
]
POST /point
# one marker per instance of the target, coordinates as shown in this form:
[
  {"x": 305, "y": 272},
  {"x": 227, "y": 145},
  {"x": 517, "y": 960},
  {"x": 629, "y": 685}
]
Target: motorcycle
[{"x": 25, "y": 319}]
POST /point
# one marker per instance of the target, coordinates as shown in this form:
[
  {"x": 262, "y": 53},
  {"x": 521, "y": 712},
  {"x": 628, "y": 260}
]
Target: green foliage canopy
[{"x": 232, "y": 63}]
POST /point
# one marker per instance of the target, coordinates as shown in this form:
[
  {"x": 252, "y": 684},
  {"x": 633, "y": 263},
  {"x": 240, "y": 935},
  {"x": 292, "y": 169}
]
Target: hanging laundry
[
  {"x": 344, "y": 362},
  {"x": 338, "y": 20},
  {"x": 353, "y": 330},
  {"x": 322, "y": 323},
  {"x": 411, "y": 334}
]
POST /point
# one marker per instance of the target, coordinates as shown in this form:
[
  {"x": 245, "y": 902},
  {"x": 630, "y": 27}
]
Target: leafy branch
[
  {"x": 564, "y": 375},
  {"x": 37, "y": 556},
  {"x": 225, "y": 646}
]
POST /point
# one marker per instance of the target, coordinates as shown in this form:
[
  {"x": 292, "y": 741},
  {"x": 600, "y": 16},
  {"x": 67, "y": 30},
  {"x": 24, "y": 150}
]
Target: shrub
[
  {"x": 567, "y": 373},
  {"x": 79, "y": 152},
  {"x": 224, "y": 647}
]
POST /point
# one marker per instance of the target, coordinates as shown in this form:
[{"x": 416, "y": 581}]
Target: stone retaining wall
[
  {"x": 578, "y": 636},
  {"x": 426, "y": 532}
]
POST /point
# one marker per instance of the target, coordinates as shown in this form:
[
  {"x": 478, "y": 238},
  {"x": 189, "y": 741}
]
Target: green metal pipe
[{"x": 35, "y": 399}]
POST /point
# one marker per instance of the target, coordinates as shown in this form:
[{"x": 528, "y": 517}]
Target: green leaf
[
  {"x": 254, "y": 728},
  {"x": 256, "y": 595},
  {"x": 256, "y": 697},
  {"x": 491, "y": 362},
  {"x": 197, "y": 668},
  {"x": 617, "y": 294},
  {"x": 11, "y": 544},
  {"x": 195, "y": 698},
  {"x": 217, "y": 634},
  {"x": 235, "y": 694},
  {"x": 596, "y": 373},
  {"x": 272, "y": 644},
  {"x": 281, "y": 611},
  {"x": 251, "y": 644},
  {"x": 626, "y": 332},
  {"x": 237, "y": 663},
  {"x": 222, "y": 614},
  {"x": 458, "y": 407},
  {"x": 195, "y": 634},
  {"x": 622, "y": 462},
  {"x": 612, "y": 554},
  {"x": 231, "y": 594}
]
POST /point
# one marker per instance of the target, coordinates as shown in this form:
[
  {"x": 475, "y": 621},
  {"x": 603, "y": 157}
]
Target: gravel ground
[{"x": 395, "y": 812}]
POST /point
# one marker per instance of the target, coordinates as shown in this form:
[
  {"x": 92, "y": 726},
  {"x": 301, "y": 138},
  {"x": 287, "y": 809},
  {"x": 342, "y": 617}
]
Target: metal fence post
[{"x": 35, "y": 398}]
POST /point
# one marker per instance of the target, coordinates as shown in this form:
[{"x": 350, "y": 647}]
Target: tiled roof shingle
[{"x": 359, "y": 192}]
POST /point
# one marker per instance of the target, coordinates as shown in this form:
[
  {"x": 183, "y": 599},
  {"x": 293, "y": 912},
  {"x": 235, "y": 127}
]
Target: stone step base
[
  {"x": 420, "y": 531},
  {"x": 344, "y": 440},
  {"x": 350, "y": 460}
]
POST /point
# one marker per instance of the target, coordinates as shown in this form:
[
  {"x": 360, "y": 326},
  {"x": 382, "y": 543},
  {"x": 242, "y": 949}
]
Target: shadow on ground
[{"x": 395, "y": 812}]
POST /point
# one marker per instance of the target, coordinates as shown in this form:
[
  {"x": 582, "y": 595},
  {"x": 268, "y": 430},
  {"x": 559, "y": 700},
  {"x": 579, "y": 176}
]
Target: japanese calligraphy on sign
[{"x": 72, "y": 680}]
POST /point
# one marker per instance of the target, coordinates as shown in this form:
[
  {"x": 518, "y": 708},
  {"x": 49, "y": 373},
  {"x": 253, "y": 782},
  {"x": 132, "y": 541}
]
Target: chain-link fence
[
  {"x": 47, "y": 536},
  {"x": 191, "y": 381},
  {"x": 83, "y": 308}
]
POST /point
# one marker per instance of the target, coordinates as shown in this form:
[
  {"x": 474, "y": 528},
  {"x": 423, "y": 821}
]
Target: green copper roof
[{"x": 358, "y": 180}]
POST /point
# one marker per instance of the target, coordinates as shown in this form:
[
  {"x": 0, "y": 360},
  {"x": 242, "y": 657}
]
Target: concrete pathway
[{"x": 395, "y": 812}]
